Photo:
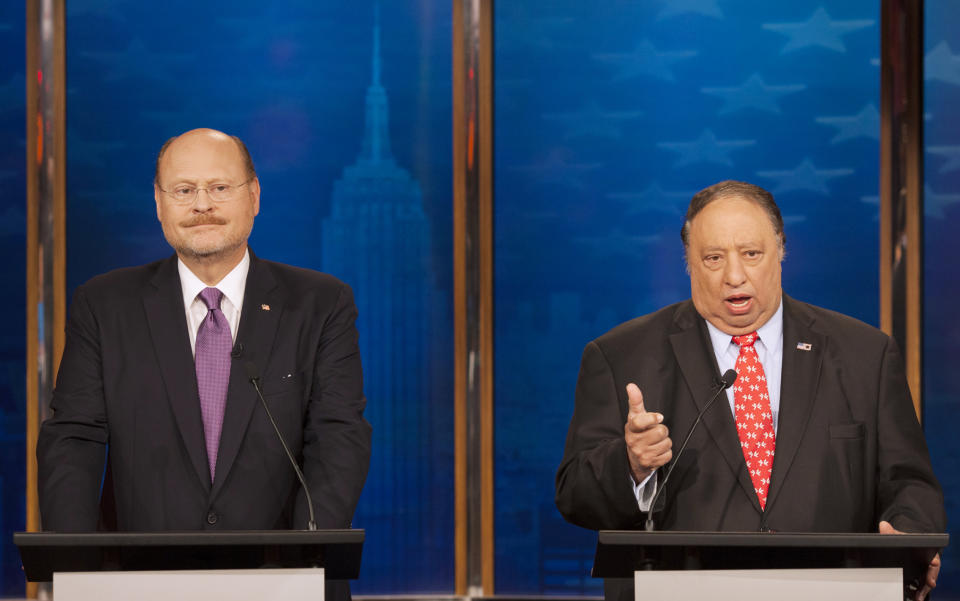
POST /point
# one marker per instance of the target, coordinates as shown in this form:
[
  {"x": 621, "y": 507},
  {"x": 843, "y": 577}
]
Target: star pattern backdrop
[
  {"x": 13, "y": 241},
  {"x": 311, "y": 88},
  {"x": 941, "y": 282},
  {"x": 609, "y": 117}
]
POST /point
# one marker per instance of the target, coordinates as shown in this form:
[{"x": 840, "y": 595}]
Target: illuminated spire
[{"x": 376, "y": 137}]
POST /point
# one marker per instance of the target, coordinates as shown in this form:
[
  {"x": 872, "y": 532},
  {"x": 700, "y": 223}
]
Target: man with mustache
[
  {"x": 818, "y": 434},
  {"x": 154, "y": 376}
]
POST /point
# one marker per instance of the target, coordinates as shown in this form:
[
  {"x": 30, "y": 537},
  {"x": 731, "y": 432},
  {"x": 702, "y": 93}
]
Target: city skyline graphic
[{"x": 377, "y": 238}]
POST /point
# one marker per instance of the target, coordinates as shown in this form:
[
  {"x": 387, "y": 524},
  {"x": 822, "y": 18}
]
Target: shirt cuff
[{"x": 645, "y": 490}]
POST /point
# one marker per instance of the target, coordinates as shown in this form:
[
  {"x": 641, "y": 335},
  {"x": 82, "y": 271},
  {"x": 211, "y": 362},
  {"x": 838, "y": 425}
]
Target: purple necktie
[{"x": 212, "y": 359}]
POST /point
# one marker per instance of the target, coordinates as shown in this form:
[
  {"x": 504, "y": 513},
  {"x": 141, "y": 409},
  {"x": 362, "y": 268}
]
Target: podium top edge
[
  {"x": 197, "y": 538},
  {"x": 772, "y": 539}
]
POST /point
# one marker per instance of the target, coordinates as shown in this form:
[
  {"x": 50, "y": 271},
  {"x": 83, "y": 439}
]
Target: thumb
[
  {"x": 886, "y": 527},
  {"x": 635, "y": 398}
]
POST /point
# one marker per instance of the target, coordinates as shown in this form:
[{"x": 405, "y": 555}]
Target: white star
[
  {"x": 617, "y": 239},
  {"x": 705, "y": 149},
  {"x": 653, "y": 199},
  {"x": 804, "y": 176},
  {"x": 753, "y": 93},
  {"x": 645, "y": 60},
  {"x": 941, "y": 64},
  {"x": 591, "y": 120},
  {"x": 672, "y": 8},
  {"x": 865, "y": 124},
  {"x": 951, "y": 153},
  {"x": 934, "y": 204},
  {"x": 556, "y": 169},
  {"x": 819, "y": 30}
]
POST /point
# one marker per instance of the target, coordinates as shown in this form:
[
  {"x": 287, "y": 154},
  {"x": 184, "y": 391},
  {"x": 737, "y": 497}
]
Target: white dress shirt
[
  {"x": 232, "y": 286},
  {"x": 769, "y": 347}
]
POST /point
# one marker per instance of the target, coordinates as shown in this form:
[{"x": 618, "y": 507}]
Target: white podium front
[
  {"x": 297, "y": 584},
  {"x": 850, "y": 584}
]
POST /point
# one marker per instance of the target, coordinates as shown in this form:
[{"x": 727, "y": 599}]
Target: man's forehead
[{"x": 198, "y": 153}]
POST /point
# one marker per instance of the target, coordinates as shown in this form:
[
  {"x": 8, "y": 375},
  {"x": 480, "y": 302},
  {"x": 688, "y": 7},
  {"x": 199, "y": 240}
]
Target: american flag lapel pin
[
  {"x": 804, "y": 346},
  {"x": 266, "y": 307}
]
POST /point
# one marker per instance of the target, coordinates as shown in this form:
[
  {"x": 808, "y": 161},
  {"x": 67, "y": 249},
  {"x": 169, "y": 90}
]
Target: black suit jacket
[
  {"x": 849, "y": 450},
  {"x": 127, "y": 388}
]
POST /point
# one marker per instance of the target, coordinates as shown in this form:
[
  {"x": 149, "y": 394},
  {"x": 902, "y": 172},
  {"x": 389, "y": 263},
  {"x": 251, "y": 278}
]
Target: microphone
[
  {"x": 254, "y": 376},
  {"x": 725, "y": 381}
]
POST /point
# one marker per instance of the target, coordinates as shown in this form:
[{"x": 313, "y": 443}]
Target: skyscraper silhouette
[{"x": 377, "y": 239}]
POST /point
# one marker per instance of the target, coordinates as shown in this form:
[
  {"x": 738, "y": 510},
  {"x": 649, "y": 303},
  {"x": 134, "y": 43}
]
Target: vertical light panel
[
  {"x": 45, "y": 224},
  {"x": 901, "y": 185},
  {"x": 473, "y": 275},
  {"x": 941, "y": 284},
  {"x": 345, "y": 107},
  {"x": 609, "y": 117}
]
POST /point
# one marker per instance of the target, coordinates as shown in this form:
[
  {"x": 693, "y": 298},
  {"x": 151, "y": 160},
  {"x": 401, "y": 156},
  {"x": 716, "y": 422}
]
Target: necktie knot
[
  {"x": 211, "y": 298},
  {"x": 745, "y": 339}
]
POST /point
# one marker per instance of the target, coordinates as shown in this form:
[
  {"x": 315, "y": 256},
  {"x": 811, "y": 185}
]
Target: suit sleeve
[
  {"x": 594, "y": 489},
  {"x": 336, "y": 443},
  {"x": 908, "y": 494},
  {"x": 71, "y": 448}
]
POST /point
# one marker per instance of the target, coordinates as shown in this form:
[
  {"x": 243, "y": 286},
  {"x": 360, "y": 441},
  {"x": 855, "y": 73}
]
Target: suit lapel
[
  {"x": 163, "y": 302},
  {"x": 694, "y": 354},
  {"x": 800, "y": 377},
  {"x": 259, "y": 319}
]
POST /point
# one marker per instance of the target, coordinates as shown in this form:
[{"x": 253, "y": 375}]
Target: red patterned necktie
[{"x": 754, "y": 418}]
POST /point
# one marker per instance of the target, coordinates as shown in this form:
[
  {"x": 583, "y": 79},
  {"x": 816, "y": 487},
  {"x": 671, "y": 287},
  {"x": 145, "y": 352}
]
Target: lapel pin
[
  {"x": 804, "y": 346},
  {"x": 266, "y": 307}
]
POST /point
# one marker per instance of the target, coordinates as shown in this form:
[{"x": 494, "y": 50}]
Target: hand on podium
[
  {"x": 648, "y": 440},
  {"x": 933, "y": 570}
]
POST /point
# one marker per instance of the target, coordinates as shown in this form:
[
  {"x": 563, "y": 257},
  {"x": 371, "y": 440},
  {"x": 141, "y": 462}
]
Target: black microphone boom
[
  {"x": 254, "y": 376},
  {"x": 725, "y": 381}
]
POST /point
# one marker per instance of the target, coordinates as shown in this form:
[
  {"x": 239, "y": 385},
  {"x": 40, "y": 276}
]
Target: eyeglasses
[{"x": 185, "y": 194}]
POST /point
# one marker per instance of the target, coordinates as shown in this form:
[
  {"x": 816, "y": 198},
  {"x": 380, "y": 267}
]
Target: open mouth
[{"x": 739, "y": 303}]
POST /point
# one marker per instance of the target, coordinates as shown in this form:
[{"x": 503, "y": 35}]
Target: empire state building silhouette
[{"x": 377, "y": 239}]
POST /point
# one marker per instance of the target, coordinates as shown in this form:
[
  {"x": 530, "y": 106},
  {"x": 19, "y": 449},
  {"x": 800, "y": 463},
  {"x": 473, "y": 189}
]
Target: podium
[
  {"x": 735, "y": 565},
  {"x": 248, "y": 564}
]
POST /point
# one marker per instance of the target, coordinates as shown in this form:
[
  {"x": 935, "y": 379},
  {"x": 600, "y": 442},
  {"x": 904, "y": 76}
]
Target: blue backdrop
[
  {"x": 13, "y": 243},
  {"x": 942, "y": 285},
  {"x": 609, "y": 116},
  {"x": 301, "y": 83}
]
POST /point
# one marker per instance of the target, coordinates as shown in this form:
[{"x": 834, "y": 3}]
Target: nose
[
  {"x": 733, "y": 272},
  {"x": 202, "y": 203}
]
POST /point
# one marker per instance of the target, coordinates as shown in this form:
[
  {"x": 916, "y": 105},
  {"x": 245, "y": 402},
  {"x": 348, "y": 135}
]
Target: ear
[
  {"x": 156, "y": 198},
  {"x": 255, "y": 193}
]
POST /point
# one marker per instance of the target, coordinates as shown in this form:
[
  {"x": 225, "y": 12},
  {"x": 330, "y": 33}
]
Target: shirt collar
[
  {"x": 232, "y": 285},
  {"x": 769, "y": 333}
]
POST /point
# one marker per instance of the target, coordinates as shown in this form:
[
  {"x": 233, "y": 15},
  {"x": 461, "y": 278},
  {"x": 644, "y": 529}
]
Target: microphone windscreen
[{"x": 728, "y": 378}]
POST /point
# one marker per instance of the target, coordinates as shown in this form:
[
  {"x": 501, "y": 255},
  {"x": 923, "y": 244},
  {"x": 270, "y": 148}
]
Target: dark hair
[
  {"x": 727, "y": 189},
  {"x": 247, "y": 159}
]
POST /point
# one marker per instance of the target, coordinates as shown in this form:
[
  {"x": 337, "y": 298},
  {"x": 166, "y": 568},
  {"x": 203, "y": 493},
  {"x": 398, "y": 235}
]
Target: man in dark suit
[
  {"x": 155, "y": 374},
  {"x": 818, "y": 434}
]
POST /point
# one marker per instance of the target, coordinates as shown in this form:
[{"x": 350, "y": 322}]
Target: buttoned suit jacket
[
  {"x": 849, "y": 449},
  {"x": 127, "y": 389}
]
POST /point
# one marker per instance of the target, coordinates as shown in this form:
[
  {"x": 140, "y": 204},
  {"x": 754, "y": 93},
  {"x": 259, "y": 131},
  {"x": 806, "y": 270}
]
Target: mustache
[{"x": 203, "y": 219}]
